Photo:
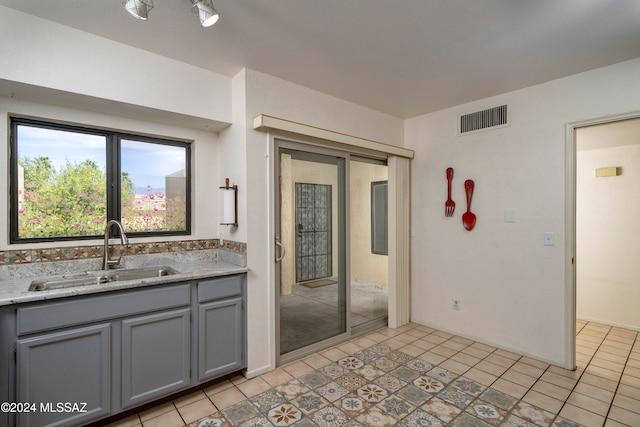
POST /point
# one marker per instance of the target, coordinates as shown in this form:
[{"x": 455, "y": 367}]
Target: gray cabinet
[
  {"x": 110, "y": 351},
  {"x": 155, "y": 356},
  {"x": 118, "y": 350},
  {"x": 72, "y": 366},
  {"x": 220, "y": 338},
  {"x": 220, "y": 327}
]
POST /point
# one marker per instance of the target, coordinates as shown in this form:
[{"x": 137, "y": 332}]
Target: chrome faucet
[{"x": 107, "y": 262}]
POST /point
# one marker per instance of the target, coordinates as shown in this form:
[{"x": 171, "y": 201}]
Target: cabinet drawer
[
  {"x": 79, "y": 311},
  {"x": 218, "y": 288}
]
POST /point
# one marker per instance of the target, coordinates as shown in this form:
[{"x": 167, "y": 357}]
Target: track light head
[
  {"x": 203, "y": 8},
  {"x": 206, "y": 13},
  {"x": 138, "y": 8}
]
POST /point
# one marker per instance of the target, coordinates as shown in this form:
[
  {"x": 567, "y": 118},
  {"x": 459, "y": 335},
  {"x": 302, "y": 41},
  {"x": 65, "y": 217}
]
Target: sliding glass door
[
  {"x": 311, "y": 232},
  {"x": 331, "y": 267}
]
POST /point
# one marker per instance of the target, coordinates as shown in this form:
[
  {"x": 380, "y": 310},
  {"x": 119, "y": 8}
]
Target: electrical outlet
[{"x": 456, "y": 304}]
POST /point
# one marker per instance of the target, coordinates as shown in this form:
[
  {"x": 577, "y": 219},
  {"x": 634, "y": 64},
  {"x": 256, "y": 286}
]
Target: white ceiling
[{"x": 401, "y": 57}]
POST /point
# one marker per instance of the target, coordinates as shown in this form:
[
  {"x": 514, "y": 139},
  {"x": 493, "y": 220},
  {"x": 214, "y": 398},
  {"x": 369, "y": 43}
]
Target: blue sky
[{"x": 147, "y": 164}]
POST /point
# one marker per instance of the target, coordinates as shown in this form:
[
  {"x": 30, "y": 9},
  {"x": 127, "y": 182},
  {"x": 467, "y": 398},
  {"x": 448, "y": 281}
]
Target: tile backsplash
[{"x": 73, "y": 253}]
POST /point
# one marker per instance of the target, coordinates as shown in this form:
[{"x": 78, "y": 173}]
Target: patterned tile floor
[{"x": 417, "y": 376}]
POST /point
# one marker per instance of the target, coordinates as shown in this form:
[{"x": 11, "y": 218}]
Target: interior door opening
[
  {"x": 607, "y": 182},
  {"x": 603, "y": 156}
]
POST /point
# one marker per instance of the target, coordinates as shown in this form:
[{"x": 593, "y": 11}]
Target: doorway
[
  {"x": 607, "y": 182},
  {"x": 332, "y": 284},
  {"x": 575, "y": 259}
]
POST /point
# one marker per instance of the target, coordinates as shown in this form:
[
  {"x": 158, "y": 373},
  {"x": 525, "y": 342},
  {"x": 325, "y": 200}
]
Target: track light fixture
[
  {"x": 203, "y": 8},
  {"x": 138, "y": 8},
  {"x": 206, "y": 13}
]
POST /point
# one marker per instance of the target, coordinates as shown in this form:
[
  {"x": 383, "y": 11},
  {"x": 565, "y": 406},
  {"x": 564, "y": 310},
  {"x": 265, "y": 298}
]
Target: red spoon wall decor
[{"x": 468, "y": 218}]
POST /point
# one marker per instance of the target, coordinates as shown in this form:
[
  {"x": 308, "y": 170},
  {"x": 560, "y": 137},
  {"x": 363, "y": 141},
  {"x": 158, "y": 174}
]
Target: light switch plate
[
  {"x": 549, "y": 238},
  {"x": 509, "y": 215}
]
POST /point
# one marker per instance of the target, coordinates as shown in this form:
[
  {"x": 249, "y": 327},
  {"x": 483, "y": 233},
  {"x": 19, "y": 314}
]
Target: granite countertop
[{"x": 14, "y": 289}]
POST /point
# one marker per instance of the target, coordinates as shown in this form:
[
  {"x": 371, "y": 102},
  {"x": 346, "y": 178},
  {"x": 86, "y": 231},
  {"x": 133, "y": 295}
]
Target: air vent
[{"x": 480, "y": 120}]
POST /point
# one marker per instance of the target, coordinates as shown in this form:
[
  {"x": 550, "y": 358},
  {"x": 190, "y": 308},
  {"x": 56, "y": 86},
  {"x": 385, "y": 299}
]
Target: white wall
[
  {"x": 511, "y": 288},
  {"x": 269, "y": 95},
  {"x": 43, "y": 54},
  {"x": 233, "y": 157},
  {"x": 607, "y": 230}
]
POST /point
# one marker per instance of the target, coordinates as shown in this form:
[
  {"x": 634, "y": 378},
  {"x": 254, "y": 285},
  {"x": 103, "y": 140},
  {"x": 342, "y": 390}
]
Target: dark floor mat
[{"x": 318, "y": 283}]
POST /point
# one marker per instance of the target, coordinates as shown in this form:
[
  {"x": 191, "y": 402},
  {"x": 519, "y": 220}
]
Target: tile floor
[
  {"x": 309, "y": 315},
  {"x": 417, "y": 376}
]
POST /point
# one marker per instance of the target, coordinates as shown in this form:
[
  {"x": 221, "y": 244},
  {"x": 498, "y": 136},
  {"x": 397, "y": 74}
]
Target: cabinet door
[
  {"x": 220, "y": 338},
  {"x": 155, "y": 356},
  {"x": 71, "y": 367}
]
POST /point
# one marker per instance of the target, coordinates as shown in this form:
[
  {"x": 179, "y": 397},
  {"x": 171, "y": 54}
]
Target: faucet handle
[{"x": 114, "y": 261}]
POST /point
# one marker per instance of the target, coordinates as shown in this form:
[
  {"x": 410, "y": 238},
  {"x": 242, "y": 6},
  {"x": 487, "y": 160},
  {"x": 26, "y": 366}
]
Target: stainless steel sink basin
[
  {"x": 102, "y": 276},
  {"x": 137, "y": 273},
  {"x": 68, "y": 282}
]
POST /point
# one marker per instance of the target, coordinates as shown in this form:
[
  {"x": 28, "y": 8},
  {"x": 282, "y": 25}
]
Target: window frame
[{"x": 113, "y": 176}]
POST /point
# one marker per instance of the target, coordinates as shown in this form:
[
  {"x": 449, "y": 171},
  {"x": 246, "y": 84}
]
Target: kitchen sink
[
  {"x": 120, "y": 275},
  {"x": 101, "y": 276},
  {"x": 67, "y": 282}
]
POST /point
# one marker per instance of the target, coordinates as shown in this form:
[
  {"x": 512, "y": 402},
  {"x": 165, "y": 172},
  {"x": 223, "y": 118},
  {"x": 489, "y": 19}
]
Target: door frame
[
  {"x": 399, "y": 162},
  {"x": 570, "y": 227}
]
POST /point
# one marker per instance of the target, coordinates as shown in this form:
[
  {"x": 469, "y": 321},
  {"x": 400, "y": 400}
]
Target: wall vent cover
[{"x": 485, "y": 119}]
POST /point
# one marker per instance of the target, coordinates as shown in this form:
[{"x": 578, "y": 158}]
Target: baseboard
[
  {"x": 559, "y": 364},
  {"x": 609, "y": 323},
  {"x": 256, "y": 372}
]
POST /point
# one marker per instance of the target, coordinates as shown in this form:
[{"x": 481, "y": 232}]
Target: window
[
  {"x": 379, "y": 217},
  {"x": 68, "y": 181}
]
